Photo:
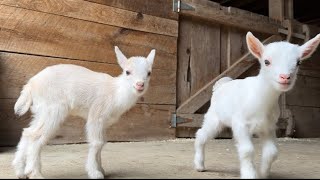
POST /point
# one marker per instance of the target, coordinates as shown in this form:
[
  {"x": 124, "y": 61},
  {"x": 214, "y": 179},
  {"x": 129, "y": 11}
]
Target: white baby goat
[
  {"x": 250, "y": 106},
  {"x": 62, "y": 90}
]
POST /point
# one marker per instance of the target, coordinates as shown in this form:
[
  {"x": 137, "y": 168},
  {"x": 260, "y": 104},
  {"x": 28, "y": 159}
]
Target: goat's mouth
[
  {"x": 139, "y": 89},
  {"x": 284, "y": 86},
  {"x": 284, "y": 83}
]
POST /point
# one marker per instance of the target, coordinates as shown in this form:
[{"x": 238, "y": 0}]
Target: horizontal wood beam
[
  {"x": 29, "y": 31},
  {"x": 202, "y": 96},
  {"x": 99, "y": 13},
  {"x": 143, "y": 6},
  {"x": 232, "y": 17}
]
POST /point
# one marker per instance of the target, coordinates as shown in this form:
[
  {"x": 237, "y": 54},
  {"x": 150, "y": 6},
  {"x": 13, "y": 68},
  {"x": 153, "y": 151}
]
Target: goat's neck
[
  {"x": 267, "y": 92},
  {"x": 125, "y": 91}
]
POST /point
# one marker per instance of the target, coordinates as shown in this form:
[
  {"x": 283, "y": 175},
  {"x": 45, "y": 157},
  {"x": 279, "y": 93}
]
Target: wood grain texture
[
  {"x": 276, "y": 9},
  {"x": 306, "y": 120},
  {"x": 199, "y": 56},
  {"x": 94, "y": 12},
  {"x": 32, "y": 32},
  {"x": 231, "y": 17},
  {"x": 17, "y": 69},
  {"x": 184, "y": 57},
  {"x": 306, "y": 92},
  {"x": 160, "y": 8},
  {"x": 205, "y": 54},
  {"x": 142, "y": 123}
]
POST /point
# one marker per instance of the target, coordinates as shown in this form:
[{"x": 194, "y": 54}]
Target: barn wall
[
  {"x": 37, "y": 34},
  {"x": 304, "y": 100}
]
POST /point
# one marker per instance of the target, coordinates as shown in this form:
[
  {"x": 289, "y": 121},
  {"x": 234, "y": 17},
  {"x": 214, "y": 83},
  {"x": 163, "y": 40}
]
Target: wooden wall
[
  {"x": 304, "y": 99},
  {"x": 37, "y": 33}
]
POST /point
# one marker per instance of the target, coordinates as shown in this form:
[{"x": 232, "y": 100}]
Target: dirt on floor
[{"x": 298, "y": 158}]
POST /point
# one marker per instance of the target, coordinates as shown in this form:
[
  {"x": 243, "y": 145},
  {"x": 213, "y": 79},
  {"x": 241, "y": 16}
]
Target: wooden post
[
  {"x": 276, "y": 9},
  {"x": 281, "y": 9}
]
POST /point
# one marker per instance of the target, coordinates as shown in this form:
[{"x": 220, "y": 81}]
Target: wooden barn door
[{"x": 211, "y": 45}]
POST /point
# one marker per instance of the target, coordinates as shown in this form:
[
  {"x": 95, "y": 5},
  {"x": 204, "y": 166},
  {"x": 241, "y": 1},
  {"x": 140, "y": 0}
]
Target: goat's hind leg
[
  {"x": 47, "y": 125},
  {"x": 210, "y": 128},
  {"x": 19, "y": 162}
]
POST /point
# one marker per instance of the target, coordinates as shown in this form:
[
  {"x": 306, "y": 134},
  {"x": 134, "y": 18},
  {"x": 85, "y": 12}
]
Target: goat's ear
[
  {"x": 151, "y": 56},
  {"x": 122, "y": 59},
  {"x": 308, "y": 48},
  {"x": 254, "y": 45}
]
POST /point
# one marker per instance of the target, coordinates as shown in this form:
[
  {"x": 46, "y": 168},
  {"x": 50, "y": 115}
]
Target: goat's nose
[
  {"x": 284, "y": 76},
  {"x": 140, "y": 84}
]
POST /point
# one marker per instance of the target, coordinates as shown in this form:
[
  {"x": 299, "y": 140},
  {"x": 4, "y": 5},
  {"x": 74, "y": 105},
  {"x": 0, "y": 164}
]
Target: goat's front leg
[
  {"x": 95, "y": 134},
  {"x": 245, "y": 151},
  {"x": 269, "y": 153},
  {"x": 210, "y": 128}
]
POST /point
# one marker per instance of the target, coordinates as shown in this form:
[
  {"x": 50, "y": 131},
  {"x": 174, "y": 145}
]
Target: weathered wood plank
[
  {"x": 305, "y": 93},
  {"x": 142, "y": 123},
  {"x": 184, "y": 50},
  {"x": 199, "y": 56},
  {"x": 238, "y": 45},
  {"x": 88, "y": 11},
  {"x": 306, "y": 120},
  {"x": 16, "y": 69},
  {"x": 205, "y": 54},
  {"x": 281, "y": 9},
  {"x": 232, "y": 17},
  {"x": 32, "y": 32},
  {"x": 160, "y": 8},
  {"x": 276, "y": 9},
  {"x": 204, "y": 94},
  {"x": 224, "y": 48}
]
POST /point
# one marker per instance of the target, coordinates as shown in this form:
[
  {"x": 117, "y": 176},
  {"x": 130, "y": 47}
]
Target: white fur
[
  {"x": 62, "y": 90},
  {"x": 250, "y": 106}
]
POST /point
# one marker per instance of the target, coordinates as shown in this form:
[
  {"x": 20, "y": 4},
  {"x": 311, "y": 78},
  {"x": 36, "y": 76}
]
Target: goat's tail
[
  {"x": 24, "y": 101},
  {"x": 220, "y": 82}
]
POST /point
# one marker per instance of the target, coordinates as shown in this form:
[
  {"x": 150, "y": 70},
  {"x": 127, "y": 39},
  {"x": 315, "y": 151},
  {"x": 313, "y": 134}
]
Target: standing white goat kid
[
  {"x": 62, "y": 90},
  {"x": 250, "y": 106}
]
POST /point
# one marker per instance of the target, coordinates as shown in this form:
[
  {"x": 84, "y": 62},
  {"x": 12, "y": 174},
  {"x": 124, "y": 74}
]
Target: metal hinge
[
  {"x": 176, "y": 120},
  {"x": 178, "y": 5}
]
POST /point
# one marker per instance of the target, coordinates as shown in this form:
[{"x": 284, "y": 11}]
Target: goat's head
[
  {"x": 280, "y": 60},
  {"x": 136, "y": 69}
]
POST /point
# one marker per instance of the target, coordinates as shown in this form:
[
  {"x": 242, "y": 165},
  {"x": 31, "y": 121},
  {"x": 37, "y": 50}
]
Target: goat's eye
[
  {"x": 267, "y": 62},
  {"x": 128, "y": 73},
  {"x": 149, "y": 73},
  {"x": 298, "y": 63}
]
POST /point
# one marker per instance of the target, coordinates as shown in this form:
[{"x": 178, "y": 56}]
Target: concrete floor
[{"x": 171, "y": 159}]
